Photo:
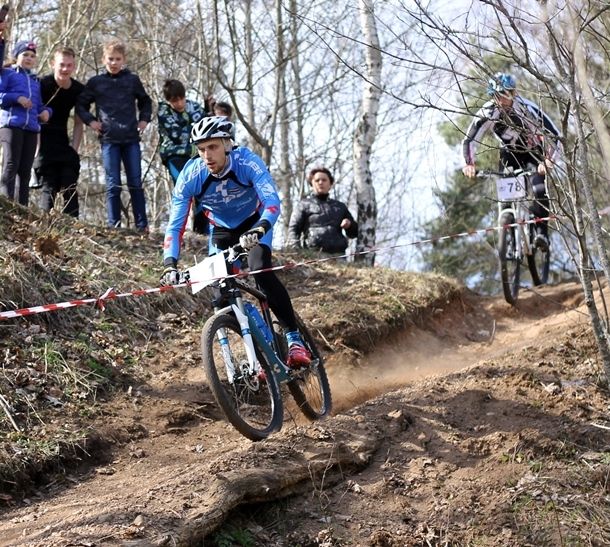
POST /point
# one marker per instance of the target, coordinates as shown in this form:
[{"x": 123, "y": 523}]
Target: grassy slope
[{"x": 60, "y": 368}]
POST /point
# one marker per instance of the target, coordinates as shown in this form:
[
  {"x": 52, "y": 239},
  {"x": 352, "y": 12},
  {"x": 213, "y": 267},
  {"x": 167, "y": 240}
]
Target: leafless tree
[
  {"x": 558, "y": 49},
  {"x": 366, "y": 129},
  {"x": 293, "y": 71}
]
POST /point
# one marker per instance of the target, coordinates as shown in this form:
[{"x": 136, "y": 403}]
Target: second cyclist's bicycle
[
  {"x": 517, "y": 233},
  {"x": 244, "y": 356}
]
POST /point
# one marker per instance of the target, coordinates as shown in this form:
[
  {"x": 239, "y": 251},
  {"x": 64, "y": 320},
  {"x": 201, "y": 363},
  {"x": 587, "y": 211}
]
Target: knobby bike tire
[
  {"x": 510, "y": 265},
  {"x": 539, "y": 262},
  {"x": 251, "y": 404},
  {"x": 311, "y": 389}
]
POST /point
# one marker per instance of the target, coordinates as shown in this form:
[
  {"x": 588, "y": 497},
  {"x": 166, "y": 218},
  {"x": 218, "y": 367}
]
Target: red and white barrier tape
[{"x": 110, "y": 294}]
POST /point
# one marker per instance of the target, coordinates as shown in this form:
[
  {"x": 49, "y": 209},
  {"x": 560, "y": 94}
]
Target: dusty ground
[{"x": 485, "y": 428}]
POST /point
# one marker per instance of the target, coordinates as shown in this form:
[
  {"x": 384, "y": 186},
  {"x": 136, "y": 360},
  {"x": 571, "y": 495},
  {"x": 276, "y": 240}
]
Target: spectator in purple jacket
[
  {"x": 123, "y": 109},
  {"x": 21, "y": 112}
]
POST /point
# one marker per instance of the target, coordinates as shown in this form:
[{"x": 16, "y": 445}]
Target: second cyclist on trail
[
  {"x": 528, "y": 140},
  {"x": 238, "y": 196}
]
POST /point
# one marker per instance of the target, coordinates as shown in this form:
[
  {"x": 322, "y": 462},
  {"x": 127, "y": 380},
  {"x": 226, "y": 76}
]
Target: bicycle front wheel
[
  {"x": 539, "y": 261},
  {"x": 510, "y": 262},
  {"x": 250, "y": 400},
  {"x": 310, "y": 388}
]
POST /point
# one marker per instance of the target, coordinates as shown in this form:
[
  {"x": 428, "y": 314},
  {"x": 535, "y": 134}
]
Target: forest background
[{"x": 296, "y": 73}]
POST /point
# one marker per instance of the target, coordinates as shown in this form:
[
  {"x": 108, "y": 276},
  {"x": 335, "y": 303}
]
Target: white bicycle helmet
[{"x": 212, "y": 127}]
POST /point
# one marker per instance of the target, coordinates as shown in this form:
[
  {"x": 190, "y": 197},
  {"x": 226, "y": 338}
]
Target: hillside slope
[{"x": 458, "y": 420}]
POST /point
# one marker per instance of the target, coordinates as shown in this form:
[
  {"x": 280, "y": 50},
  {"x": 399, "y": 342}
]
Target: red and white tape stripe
[{"x": 110, "y": 294}]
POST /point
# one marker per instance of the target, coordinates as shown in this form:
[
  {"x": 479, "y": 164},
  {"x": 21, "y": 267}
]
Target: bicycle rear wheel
[
  {"x": 310, "y": 388},
  {"x": 539, "y": 261},
  {"x": 251, "y": 401},
  {"x": 510, "y": 263}
]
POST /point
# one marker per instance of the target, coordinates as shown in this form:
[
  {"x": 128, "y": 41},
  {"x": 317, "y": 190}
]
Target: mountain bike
[
  {"x": 518, "y": 232},
  {"x": 244, "y": 354}
]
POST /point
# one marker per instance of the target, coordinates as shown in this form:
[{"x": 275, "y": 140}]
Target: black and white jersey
[{"x": 522, "y": 129}]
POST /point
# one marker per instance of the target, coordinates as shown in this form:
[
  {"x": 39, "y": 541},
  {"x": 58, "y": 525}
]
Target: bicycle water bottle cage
[{"x": 260, "y": 322}]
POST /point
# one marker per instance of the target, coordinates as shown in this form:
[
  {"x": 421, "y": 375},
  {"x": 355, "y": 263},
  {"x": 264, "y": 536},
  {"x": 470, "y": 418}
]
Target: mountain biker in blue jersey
[
  {"x": 238, "y": 196},
  {"x": 528, "y": 140}
]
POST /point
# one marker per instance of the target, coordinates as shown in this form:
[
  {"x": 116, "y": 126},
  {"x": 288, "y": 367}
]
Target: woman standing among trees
[{"x": 318, "y": 221}]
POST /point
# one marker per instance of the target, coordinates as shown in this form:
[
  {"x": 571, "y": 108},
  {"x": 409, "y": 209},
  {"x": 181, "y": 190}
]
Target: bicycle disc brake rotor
[{"x": 249, "y": 380}]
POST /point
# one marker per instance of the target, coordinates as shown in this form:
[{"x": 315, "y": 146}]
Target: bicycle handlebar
[
  {"x": 231, "y": 254},
  {"x": 483, "y": 173},
  {"x": 235, "y": 252}
]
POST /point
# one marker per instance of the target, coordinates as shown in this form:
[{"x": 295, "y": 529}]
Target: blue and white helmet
[
  {"x": 212, "y": 127},
  {"x": 502, "y": 83}
]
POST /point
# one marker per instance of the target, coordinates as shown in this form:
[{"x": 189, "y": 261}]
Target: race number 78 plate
[{"x": 511, "y": 188}]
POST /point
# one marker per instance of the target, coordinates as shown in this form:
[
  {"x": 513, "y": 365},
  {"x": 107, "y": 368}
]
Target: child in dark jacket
[
  {"x": 116, "y": 94},
  {"x": 21, "y": 113}
]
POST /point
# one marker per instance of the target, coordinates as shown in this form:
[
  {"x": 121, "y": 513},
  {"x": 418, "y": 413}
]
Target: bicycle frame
[
  {"x": 520, "y": 213},
  {"x": 517, "y": 207},
  {"x": 243, "y": 354},
  {"x": 233, "y": 289}
]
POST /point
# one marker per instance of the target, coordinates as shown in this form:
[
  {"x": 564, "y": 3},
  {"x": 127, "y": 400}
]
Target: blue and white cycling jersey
[{"x": 245, "y": 188}]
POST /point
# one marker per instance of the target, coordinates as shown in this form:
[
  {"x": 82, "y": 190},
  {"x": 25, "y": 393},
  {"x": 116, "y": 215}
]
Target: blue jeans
[
  {"x": 175, "y": 164},
  {"x": 112, "y": 155}
]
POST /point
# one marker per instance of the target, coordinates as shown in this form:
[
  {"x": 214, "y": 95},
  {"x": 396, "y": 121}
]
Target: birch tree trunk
[
  {"x": 299, "y": 170},
  {"x": 364, "y": 136},
  {"x": 283, "y": 178}
]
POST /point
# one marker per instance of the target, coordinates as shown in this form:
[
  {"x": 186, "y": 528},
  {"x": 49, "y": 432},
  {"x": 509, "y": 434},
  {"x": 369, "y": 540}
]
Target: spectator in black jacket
[
  {"x": 58, "y": 164},
  {"x": 116, "y": 94},
  {"x": 320, "y": 222}
]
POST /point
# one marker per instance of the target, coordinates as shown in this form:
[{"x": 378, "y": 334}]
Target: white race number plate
[
  {"x": 511, "y": 188},
  {"x": 207, "y": 271}
]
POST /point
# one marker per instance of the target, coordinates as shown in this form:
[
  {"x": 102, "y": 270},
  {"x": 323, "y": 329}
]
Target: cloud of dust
[{"x": 418, "y": 355}]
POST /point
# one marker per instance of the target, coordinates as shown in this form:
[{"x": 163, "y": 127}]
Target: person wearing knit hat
[
  {"x": 24, "y": 45},
  {"x": 21, "y": 113}
]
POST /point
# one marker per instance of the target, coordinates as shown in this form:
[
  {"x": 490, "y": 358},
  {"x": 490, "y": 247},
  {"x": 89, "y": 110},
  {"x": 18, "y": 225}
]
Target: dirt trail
[
  {"x": 456, "y": 341},
  {"x": 164, "y": 484}
]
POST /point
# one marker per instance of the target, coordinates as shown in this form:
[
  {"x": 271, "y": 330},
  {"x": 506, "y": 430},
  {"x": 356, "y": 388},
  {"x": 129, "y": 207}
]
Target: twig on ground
[
  {"x": 5, "y": 406},
  {"x": 493, "y": 332},
  {"x": 324, "y": 338}
]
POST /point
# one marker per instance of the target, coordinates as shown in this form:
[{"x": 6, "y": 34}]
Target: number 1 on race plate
[
  {"x": 207, "y": 271},
  {"x": 511, "y": 188}
]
